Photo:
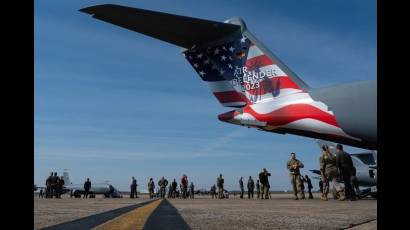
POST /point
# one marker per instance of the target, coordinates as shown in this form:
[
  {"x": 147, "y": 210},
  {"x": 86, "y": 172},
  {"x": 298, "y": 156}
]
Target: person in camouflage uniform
[
  {"x": 329, "y": 172},
  {"x": 151, "y": 187},
  {"x": 264, "y": 180},
  {"x": 162, "y": 185},
  {"x": 294, "y": 166},
  {"x": 60, "y": 187},
  {"x": 213, "y": 191},
  {"x": 251, "y": 187}
]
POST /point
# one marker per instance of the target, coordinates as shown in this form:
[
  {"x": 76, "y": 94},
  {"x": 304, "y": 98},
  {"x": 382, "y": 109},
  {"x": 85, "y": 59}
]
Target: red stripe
[
  {"x": 230, "y": 96},
  {"x": 228, "y": 116},
  {"x": 258, "y": 62},
  {"x": 292, "y": 113},
  {"x": 270, "y": 85}
]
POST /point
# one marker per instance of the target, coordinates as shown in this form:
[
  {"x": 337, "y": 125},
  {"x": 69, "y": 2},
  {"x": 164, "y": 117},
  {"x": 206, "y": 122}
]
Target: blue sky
[{"x": 111, "y": 103}]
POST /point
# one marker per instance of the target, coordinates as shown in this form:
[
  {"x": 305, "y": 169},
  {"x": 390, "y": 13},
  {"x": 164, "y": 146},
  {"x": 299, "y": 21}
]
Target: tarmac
[{"x": 280, "y": 212}]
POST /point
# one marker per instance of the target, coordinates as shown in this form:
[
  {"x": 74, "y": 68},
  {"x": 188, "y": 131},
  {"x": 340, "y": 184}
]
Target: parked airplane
[
  {"x": 366, "y": 168},
  {"x": 243, "y": 73},
  {"x": 77, "y": 190}
]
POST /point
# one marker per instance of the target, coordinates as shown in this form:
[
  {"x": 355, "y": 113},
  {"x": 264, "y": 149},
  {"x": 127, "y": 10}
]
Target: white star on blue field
[{"x": 111, "y": 103}]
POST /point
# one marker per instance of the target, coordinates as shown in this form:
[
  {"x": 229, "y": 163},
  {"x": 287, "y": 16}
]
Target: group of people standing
[
  {"x": 340, "y": 166},
  {"x": 172, "y": 189},
  {"x": 54, "y": 186},
  {"x": 332, "y": 168},
  {"x": 262, "y": 186},
  {"x": 184, "y": 192}
]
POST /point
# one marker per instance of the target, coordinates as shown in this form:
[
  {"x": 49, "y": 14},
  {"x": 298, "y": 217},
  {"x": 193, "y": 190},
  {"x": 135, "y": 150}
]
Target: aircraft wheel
[{"x": 77, "y": 194}]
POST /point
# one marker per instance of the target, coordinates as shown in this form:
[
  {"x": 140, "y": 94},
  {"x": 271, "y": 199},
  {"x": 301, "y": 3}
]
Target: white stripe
[
  {"x": 318, "y": 127},
  {"x": 268, "y": 96},
  {"x": 248, "y": 119},
  {"x": 291, "y": 99},
  {"x": 254, "y": 51}
]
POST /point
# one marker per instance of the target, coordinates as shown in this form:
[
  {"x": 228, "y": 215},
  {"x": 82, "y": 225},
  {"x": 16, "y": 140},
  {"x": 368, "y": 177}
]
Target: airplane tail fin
[
  {"x": 237, "y": 67},
  {"x": 241, "y": 71}
]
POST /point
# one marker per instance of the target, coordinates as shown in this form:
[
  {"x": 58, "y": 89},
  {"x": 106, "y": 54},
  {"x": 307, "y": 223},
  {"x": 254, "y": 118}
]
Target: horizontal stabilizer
[{"x": 182, "y": 31}]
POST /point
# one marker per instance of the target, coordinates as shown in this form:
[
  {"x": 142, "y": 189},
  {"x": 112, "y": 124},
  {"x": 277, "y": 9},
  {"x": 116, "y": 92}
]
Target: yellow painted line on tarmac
[{"x": 134, "y": 219}]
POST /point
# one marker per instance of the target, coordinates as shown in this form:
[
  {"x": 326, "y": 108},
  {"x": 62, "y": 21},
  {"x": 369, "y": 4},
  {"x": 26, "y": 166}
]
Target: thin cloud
[{"x": 222, "y": 141}]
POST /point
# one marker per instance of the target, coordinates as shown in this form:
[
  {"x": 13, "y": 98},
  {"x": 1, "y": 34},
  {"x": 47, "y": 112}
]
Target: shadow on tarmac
[
  {"x": 92, "y": 221},
  {"x": 166, "y": 216}
]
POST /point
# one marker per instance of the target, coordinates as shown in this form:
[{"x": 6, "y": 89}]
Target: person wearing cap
[{"x": 294, "y": 166}]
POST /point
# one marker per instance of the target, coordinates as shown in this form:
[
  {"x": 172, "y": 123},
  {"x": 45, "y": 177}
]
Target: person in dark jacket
[
  {"x": 241, "y": 187},
  {"x": 345, "y": 165},
  {"x": 133, "y": 187},
  {"x": 87, "y": 187},
  {"x": 48, "y": 186},
  {"x": 60, "y": 187},
  {"x": 264, "y": 180},
  {"x": 309, "y": 185},
  {"x": 174, "y": 186}
]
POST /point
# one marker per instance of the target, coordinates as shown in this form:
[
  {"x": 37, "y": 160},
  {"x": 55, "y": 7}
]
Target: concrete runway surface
[{"x": 280, "y": 212}]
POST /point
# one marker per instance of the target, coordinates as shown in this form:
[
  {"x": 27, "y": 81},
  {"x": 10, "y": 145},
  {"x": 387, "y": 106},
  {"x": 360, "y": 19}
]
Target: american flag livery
[
  {"x": 217, "y": 64},
  {"x": 241, "y": 75}
]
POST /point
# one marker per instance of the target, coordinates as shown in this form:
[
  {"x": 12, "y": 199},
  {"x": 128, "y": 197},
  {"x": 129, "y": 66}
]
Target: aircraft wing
[{"x": 182, "y": 31}]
